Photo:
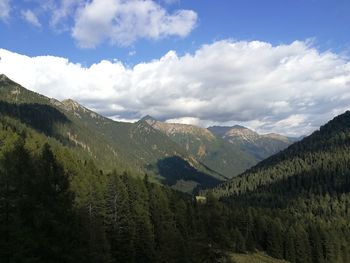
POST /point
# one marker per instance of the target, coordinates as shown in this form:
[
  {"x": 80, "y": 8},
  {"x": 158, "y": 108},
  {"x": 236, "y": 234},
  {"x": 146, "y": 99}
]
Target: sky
[{"x": 273, "y": 66}]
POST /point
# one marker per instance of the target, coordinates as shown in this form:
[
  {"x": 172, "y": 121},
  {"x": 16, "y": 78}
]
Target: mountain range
[
  {"x": 66, "y": 169},
  {"x": 185, "y": 157}
]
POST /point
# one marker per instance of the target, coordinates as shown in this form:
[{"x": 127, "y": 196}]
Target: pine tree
[
  {"x": 274, "y": 239},
  {"x": 118, "y": 220},
  {"x": 289, "y": 246}
]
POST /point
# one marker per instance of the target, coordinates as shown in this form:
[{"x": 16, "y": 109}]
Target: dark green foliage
[
  {"x": 118, "y": 220},
  {"x": 304, "y": 193},
  {"x": 57, "y": 205},
  {"x": 38, "y": 116},
  {"x": 114, "y": 217},
  {"x": 175, "y": 168},
  {"x": 38, "y": 223},
  {"x": 132, "y": 147}
]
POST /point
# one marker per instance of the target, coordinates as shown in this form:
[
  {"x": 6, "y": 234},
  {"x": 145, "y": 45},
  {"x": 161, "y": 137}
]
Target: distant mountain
[
  {"x": 128, "y": 146},
  {"x": 214, "y": 152},
  {"x": 259, "y": 145},
  {"x": 182, "y": 156},
  {"x": 227, "y": 150}
]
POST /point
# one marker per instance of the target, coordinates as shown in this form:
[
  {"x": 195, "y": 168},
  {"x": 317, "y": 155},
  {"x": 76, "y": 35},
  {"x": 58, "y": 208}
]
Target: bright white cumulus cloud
[
  {"x": 290, "y": 89},
  {"x": 122, "y": 22}
]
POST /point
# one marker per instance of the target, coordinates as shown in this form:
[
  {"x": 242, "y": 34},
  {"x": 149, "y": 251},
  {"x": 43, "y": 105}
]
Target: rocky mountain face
[
  {"x": 227, "y": 150},
  {"x": 212, "y": 151},
  {"x": 259, "y": 145}
]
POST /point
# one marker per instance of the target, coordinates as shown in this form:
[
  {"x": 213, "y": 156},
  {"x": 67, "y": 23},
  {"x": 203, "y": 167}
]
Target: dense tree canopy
[{"x": 56, "y": 205}]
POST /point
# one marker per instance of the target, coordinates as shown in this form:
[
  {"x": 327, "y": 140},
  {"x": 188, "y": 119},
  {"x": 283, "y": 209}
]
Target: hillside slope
[
  {"x": 260, "y": 146},
  {"x": 137, "y": 147},
  {"x": 318, "y": 164},
  {"x": 304, "y": 193},
  {"x": 214, "y": 152}
]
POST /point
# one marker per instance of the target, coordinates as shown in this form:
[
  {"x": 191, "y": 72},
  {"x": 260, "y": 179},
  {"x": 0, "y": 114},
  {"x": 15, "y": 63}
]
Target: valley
[
  {"x": 195, "y": 157},
  {"x": 129, "y": 189}
]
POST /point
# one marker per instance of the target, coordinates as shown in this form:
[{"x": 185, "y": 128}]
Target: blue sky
[
  {"x": 275, "y": 21},
  {"x": 273, "y": 65}
]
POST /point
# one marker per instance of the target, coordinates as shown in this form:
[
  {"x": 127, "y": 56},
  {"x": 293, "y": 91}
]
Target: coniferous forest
[{"x": 57, "y": 205}]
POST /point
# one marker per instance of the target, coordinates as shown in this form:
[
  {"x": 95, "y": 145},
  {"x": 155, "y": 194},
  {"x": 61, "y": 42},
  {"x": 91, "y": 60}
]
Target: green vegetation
[
  {"x": 228, "y": 151},
  {"x": 258, "y": 146},
  {"x": 58, "y": 204},
  {"x": 214, "y": 152},
  {"x": 137, "y": 147},
  {"x": 297, "y": 201},
  {"x": 134, "y": 147},
  {"x": 254, "y": 258},
  {"x": 55, "y": 207}
]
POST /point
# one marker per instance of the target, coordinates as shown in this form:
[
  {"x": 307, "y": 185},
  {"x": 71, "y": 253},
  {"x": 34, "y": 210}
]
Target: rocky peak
[
  {"x": 224, "y": 131},
  {"x": 276, "y": 136},
  {"x": 242, "y": 133},
  {"x": 79, "y": 110},
  {"x": 149, "y": 119},
  {"x": 72, "y": 105},
  {"x": 3, "y": 77},
  {"x": 172, "y": 129}
]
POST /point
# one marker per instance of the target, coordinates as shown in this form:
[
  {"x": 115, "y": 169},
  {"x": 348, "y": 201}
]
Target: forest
[{"x": 57, "y": 207}]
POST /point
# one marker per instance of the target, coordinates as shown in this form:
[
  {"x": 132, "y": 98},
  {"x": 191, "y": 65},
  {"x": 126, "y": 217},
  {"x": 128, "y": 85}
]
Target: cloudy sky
[{"x": 274, "y": 66}]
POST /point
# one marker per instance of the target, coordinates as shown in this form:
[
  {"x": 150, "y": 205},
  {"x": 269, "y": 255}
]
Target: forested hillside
[
  {"x": 56, "y": 207},
  {"x": 58, "y": 204},
  {"x": 135, "y": 147},
  {"x": 185, "y": 157},
  {"x": 318, "y": 164},
  {"x": 305, "y": 193}
]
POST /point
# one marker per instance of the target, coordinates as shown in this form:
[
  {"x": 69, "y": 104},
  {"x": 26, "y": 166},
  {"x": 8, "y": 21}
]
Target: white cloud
[
  {"x": 5, "y": 9},
  {"x": 290, "y": 89},
  {"x": 122, "y": 22},
  {"x": 118, "y": 22},
  {"x": 62, "y": 12},
  {"x": 31, "y": 18}
]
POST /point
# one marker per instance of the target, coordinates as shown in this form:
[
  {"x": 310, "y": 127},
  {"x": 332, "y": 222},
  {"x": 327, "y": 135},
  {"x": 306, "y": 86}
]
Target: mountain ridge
[
  {"x": 144, "y": 144},
  {"x": 130, "y": 146},
  {"x": 319, "y": 151}
]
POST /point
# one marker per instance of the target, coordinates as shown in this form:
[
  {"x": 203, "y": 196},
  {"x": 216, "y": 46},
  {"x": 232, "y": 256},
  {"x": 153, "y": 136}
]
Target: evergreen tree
[
  {"x": 118, "y": 220},
  {"x": 289, "y": 246}
]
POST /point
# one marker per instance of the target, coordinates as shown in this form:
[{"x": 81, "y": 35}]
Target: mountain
[
  {"x": 59, "y": 203},
  {"x": 227, "y": 150},
  {"x": 259, "y": 145},
  {"x": 316, "y": 164},
  {"x": 112, "y": 145},
  {"x": 57, "y": 207},
  {"x": 214, "y": 152},
  {"x": 147, "y": 146},
  {"x": 185, "y": 157},
  {"x": 297, "y": 201}
]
